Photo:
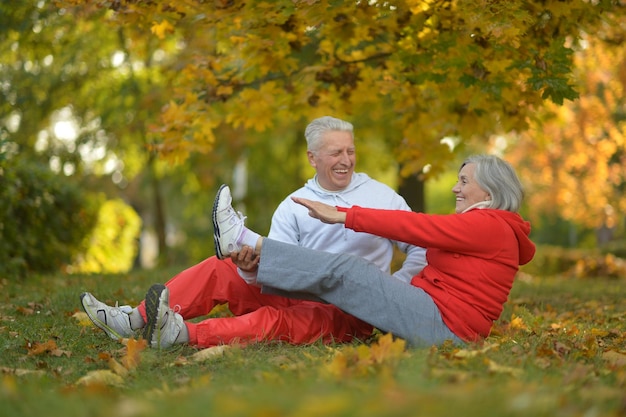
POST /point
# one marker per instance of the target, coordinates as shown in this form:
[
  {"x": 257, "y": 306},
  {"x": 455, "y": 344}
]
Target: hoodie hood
[
  {"x": 340, "y": 197},
  {"x": 521, "y": 228}
]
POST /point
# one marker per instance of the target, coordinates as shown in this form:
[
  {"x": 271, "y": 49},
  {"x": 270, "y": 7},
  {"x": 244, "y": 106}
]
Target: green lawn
[{"x": 559, "y": 349}]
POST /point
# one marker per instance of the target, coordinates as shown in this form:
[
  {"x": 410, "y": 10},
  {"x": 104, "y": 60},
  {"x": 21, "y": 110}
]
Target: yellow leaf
[
  {"x": 498, "y": 66},
  {"x": 133, "y": 349},
  {"x": 117, "y": 367},
  {"x": 160, "y": 29},
  {"x": 387, "y": 349},
  {"x": 224, "y": 90},
  {"x": 518, "y": 323},
  {"x": 20, "y": 371},
  {"x": 499, "y": 369},
  {"x": 209, "y": 353},
  {"x": 599, "y": 332},
  {"x": 82, "y": 318},
  {"x": 465, "y": 353},
  {"x": 101, "y": 377}
]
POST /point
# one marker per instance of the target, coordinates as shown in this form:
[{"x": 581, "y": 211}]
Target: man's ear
[{"x": 311, "y": 157}]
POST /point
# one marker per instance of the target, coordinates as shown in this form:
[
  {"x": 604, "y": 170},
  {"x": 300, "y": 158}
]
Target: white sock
[
  {"x": 136, "y": 321},
  {"x": 248, "y": 238},
  {"x": 183, "y": 336}
]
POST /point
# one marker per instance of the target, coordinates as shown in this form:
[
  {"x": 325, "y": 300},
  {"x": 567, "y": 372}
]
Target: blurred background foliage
[{"x": 119, "y": 119}]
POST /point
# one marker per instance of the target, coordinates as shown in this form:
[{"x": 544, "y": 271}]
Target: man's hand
[
  {"x": 246, "y": 259},
  {"x": 323, "y": 212}
]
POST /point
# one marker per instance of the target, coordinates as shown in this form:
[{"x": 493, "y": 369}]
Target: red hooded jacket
[{"x": 473, "y": 258}]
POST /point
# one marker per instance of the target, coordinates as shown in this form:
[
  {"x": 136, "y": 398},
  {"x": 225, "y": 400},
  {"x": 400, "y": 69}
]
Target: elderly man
[{"x": 261, "y": 314}]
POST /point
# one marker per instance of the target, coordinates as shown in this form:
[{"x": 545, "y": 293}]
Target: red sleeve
[{"x": 471, "y": 232}]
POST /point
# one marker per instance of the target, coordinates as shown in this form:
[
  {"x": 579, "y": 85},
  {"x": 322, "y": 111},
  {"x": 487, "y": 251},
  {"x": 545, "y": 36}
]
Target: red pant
[{"x": 258, "y": 317}]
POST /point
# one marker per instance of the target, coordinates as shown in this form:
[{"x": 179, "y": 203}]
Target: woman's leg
[{"x": 358, "y": 288}]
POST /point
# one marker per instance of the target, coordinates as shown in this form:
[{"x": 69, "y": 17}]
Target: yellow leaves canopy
[
  {"x": 462, "y": 68},
  {"x": 573, "y": 158}
]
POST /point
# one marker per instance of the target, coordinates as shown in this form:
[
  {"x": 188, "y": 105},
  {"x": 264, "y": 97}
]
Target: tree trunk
[
  {"x": 412, "y": 189},
  {"x": 159, "y": 213}
]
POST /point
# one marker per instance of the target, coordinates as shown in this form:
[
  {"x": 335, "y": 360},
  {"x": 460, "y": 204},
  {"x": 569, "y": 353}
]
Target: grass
[{"x": 559, "y": 349}]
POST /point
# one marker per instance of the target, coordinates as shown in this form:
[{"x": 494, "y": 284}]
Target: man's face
[{"x": 334, "y": 161}]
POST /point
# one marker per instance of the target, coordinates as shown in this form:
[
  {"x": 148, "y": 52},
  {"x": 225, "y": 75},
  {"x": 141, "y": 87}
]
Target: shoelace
[
  {"x": 233, "y": 216},
  {"x": 121, "y": 309}
]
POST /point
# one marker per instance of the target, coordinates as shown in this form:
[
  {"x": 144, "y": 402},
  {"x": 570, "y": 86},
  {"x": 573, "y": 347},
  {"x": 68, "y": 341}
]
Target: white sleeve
[
  {"x": 283, "y": 228},
  {"x": 415, "y": 259},
  {"x": 414, "y": 262}
]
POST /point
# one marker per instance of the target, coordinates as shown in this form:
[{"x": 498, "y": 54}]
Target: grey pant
[{"x": 357, "y": 287}]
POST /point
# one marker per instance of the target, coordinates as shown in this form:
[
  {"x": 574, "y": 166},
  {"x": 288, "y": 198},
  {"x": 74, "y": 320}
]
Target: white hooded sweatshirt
[{"x": 291, "y": 223}]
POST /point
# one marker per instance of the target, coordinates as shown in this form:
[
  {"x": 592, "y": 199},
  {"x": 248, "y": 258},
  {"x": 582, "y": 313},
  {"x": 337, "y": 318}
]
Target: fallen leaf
[
  {"x": 453, "y": 376},
  {"x": 133, "y": 349},
  {"x": 209, "y": 353},
  {"x": 518, "y": 323},
  {"x": 20, "y": 372},
  {"x": 82, "y": 318},
  {"x": 59, "y": 352},
  {"x": 614, "y": 358},
  {"x": 387, "y": 349},
  {"x": 36, "y": 348},
  {"x": 117, "y": 367},
  {"x": 500, "y": 369},
  {"x": 101, "y": 377},
  {"x": 25, "y": 311},
  {"x": 465, "y": 353}
]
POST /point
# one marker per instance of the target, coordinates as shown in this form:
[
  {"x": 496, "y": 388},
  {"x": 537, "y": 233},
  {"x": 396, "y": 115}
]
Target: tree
[
  {"x": 574, "y": 156},
  {"x": 439, "y": 67},
  {"x": 64, "y": 69},
  {"x": 425, "y": 70},
  {"x": 212, "y": 82}
]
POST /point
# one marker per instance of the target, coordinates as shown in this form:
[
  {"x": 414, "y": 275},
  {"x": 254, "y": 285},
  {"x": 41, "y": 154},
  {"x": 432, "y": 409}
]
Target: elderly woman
[{"x": 473, "y": 257}]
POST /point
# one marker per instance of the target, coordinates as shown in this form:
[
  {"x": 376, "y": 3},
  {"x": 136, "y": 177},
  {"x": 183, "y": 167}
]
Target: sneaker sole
[
  {"x": 99, "y": 323},
  {"x": 152, "y": 308},
  {"x": 216, "y": 229}
]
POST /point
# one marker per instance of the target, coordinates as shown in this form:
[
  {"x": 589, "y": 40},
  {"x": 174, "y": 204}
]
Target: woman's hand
[
  {"x": 246, "y": 259},
  {"x": 323, "y": 212}
]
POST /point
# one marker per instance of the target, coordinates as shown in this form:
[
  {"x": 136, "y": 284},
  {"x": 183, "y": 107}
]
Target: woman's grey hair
[
  {"x": 316, "y": 129},
  {"x": 498, "y": 178}
]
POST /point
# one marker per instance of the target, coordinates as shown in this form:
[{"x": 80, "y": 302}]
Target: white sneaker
[
  {"x": 164, "y": 325},
  {"x": 228, "y": 224},
  {"x": 115, "y": 321}
]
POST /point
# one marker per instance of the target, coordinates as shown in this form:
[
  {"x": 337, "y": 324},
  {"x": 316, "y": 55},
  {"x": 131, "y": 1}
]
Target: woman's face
[{"x": 467, "y": 190}]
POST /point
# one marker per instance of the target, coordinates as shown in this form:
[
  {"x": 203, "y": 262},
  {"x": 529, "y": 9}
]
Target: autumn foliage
[
  {"x": 574, "y": 155},
  {"x": 559, "y": 345},
  {"x": 422, "y": 69}
]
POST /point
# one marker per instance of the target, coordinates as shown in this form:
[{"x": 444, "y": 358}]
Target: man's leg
[
  {"x": 195, "y": 291},
  {"x": 301, "y": 323}
]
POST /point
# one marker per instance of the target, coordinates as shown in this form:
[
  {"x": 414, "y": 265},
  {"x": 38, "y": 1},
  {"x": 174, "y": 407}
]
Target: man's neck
[{"x": 326, "y": 190}]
